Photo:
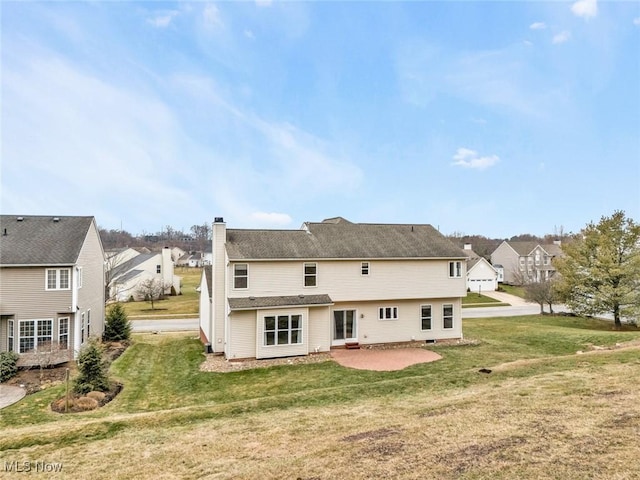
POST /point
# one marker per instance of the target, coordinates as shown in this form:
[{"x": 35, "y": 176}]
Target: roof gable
[{"x": 42, "y": 240}]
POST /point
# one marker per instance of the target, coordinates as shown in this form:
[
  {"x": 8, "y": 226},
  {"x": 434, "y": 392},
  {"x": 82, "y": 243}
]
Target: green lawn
[
  {"x": 322, "y": 417},
  {"x": 186, "y": 304},
  {"x": 478, "y": 300},
  {"x": 516, "y": 290}
]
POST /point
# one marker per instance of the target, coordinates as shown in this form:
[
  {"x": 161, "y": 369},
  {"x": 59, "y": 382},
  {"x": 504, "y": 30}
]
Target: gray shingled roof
[
  {"x": 525, "y": 248},
  {"x": 39, "y": 240},
  {"x": 341, "y": 240},
  {"x": 249, "y": 303},
  {"x": 131, "y": 264}
]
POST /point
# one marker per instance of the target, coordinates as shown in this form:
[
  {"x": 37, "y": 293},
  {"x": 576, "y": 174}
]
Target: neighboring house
[
  {"x": 183, "y": 260},
  {"x": 176, "y": 253},
  {"x": 195, "y": 260},
  {"x": 51, "y": 286},
  {"x": 481, "y": 276},
  {"x": 207, "y": 256},
  {"x": 523, "y": 262},
  {"x": 125, "y": 277},
  {"x": 278, "y": 293}
]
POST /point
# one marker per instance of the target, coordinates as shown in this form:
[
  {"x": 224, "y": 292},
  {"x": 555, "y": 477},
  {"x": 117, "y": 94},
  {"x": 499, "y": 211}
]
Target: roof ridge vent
[
  {"x": 56, "y": 219},
  {"x": 20, "y": 219}
]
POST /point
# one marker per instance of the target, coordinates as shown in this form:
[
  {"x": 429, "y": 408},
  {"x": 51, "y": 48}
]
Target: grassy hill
[{"x": 544, "y": 411}]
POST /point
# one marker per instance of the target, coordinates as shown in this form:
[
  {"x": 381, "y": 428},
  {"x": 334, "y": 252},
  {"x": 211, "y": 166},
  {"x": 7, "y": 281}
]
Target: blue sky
[{"x": 491, "y": 118}]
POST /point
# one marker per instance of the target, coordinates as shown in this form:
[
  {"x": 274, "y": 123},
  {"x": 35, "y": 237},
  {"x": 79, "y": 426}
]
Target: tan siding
[
  {"x": 273, "y": 351},
  {"x": 205, "y": 310},
  {"x": 319, "y": 329},
  {"x": 23, "y": 294},
  {"x": 242, "y": 335},
  {"x": 342, "y": 280},
  {"x": 407, "y": 327},
  {"x": 505, "y": 255},
  {"x": 91, "y": 295}
]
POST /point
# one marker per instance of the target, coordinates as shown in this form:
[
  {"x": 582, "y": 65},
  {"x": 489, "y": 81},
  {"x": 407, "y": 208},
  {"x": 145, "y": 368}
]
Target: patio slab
[{"x": 383, "y": 360}]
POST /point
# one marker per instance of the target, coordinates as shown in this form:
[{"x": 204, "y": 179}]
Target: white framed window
[
  {"x": 546, "y": 259},
  {"x": 34, "y": 333},
  {"x": 425, "y": 317},
  {"x": 63, "y": 333},
  {"x": 364, "y": 269},
  {"x": 455, "y": 269},
  {"x": 388, "y": 313},
  {"x": 57, "y": 279},
  {"x": 282, "y": 330},
  {"x": 79, "y": 272},
  {"x": 82, "y": 328},
  {"x": 310, "y": 274},
  {"x": 158, "y": 268},
  {"x": 241, "y": 275},
  {"x": 88, "y": 323},
  {"x": 10, "y": 334},
  {"x": 447, "y": 315}
]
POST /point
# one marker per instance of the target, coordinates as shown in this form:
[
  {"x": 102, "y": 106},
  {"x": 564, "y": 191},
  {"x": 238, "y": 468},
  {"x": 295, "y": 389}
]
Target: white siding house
[
  {"x": 481, "y": 276},
  {"x": 275, "y": 293}
]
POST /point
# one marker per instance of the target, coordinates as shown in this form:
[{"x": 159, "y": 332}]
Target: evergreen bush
[
  {"x": 92, "y": 370},
  {"x": 8, "y": 365},
  {"x": 117, "y": 327}
]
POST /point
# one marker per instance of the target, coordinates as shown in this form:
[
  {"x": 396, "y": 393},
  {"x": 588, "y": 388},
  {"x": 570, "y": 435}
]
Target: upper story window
[
  {"x": 388, "y": 313},
  {"x": 310, "y": 274},
  {"x": 364, "y": 269},
  {"x": 241, "y": 275},
  {"x": 58, "y": 279},
  {"x": 158, "y": 268},
  {"x": 546, "y": 259},
  {"x": 455, "y": 269}
]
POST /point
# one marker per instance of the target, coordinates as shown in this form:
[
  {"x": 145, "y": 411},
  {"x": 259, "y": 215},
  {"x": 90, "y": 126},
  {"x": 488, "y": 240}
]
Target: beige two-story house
[
  {"x": 51, "y": 286},
  {"x": 524, "y": 262},
  {"x": 277, "y": 293}
]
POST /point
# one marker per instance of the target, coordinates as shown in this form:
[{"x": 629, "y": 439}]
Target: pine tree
[
  {"x": 117, "y": 327},
  {"x": 92, "y": 370},
  {"x": 600, "y": 272}
]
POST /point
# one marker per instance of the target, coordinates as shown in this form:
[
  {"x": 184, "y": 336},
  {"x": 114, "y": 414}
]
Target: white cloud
[
  {"x": 636, "y": 21},
  {"x": 538, "y": 26},
  {"x": 561, "y": 37},
  {"x": 264, "y": 3},
  {"x": 272, "y": 218},
  {"x": 467, "y": 158},
  {"x": 249, "y": 34},
  {"x": 162, "y": 19},
  {"x": 212, "y": 17},
  {"x": 585, "y": 8}
]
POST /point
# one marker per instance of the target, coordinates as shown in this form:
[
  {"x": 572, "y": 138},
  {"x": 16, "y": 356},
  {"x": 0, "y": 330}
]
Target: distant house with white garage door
[
  {"x": 277, "y": 293},
  {"x": 481, "y": 276}
]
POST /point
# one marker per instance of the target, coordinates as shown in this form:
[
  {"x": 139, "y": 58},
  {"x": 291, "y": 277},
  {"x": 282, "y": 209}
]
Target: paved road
[{"x": 165, "y": 325}]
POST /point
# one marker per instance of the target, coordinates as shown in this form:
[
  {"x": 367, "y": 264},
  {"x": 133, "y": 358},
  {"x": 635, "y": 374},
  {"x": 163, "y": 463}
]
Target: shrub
[
  {"x": 97, "y": 396},
  {"x": 8, "y": 365},
  {"x": 117, "y": 326},
  {"x": 85, "y": 403},
  {"x": 92, "y": 370}
]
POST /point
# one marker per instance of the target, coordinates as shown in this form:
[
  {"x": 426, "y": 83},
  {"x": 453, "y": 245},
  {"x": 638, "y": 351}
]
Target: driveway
[{"x": 383, "y": 360}]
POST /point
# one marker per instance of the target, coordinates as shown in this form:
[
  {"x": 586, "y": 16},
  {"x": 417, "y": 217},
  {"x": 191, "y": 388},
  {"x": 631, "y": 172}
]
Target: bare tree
[
  {"x": 112, "y": 261},
  {"x": 151, "y": 290},
  {"x": 541, "y": 292}
]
